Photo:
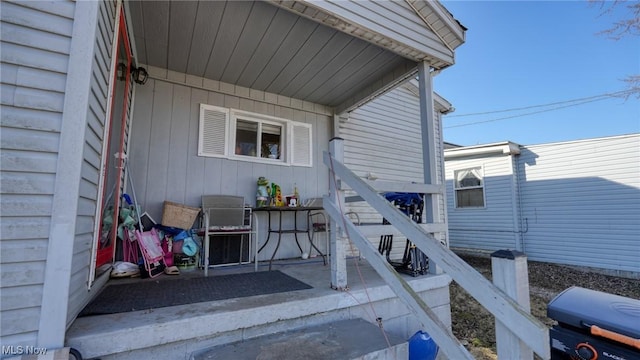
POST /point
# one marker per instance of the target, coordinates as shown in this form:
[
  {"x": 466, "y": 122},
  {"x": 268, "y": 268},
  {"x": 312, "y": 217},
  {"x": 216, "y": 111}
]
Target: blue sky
[{"x": 522, "y": 53}]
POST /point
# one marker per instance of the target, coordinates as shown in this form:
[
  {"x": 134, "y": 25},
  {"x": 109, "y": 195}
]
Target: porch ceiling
[{"x": 262, "y": 46}]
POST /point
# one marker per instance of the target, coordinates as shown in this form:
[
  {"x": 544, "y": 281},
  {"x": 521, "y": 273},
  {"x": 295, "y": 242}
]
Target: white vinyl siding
[
  {"x": 36, "y": 38},
  {"x": 490, "y": 227},
  {"x": 581, "y": 201},
  {"x": 91, "y": 165},
  {"x": 383, "y": 140},
  {"x": 166, "y": 141},
  {"x": 574, "y": 203}
]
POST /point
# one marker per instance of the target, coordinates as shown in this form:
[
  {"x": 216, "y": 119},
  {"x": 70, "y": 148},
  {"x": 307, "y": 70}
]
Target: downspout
[
  {"x": 515, "y": 202},
  {"x": 520, "y": 220}
]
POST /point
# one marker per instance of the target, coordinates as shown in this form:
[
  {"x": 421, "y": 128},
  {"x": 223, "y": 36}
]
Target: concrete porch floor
[{"x": 176, "y": 332}]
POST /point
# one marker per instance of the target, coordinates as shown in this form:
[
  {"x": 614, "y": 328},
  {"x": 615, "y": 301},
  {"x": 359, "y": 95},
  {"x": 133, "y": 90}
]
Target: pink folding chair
[
  {"x": 149, "y": 242},
  {"x": 130, "y": 247}
]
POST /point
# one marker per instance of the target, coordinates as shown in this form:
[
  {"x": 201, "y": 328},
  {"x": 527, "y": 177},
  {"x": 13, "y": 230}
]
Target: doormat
[{"x": 145, "y": 295}]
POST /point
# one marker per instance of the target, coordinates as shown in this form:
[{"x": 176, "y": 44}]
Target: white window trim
[
  {"x": 288, "y": 141},
  {"x": 261, "y": 119},
  {"x": 479, "y": 172}
]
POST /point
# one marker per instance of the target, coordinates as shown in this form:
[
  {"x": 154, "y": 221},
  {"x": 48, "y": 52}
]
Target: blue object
[
  {"x": 422, "y": 347},
  {"x": 181, "y": 236},
  {"x": 189, "y": 247},
  {"x": 127, "y": 199}
]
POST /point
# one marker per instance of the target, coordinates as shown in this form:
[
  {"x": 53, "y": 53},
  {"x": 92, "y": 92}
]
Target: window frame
[
  {"x": 478, "y": 171},
  {"x": 228, "y": 118},
  {"x": 236, "y": 115}
]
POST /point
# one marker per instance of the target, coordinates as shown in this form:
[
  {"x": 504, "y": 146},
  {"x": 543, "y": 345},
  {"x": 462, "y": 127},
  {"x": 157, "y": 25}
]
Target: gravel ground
[{"x": 474, "y": 326}]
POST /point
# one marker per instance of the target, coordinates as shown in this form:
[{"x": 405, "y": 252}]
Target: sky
[{"x": 526, "y": 53}]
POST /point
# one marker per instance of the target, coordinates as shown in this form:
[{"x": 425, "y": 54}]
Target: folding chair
[
  {"x": 224, "y": 215},
  {"x": 149, "y": 242}
]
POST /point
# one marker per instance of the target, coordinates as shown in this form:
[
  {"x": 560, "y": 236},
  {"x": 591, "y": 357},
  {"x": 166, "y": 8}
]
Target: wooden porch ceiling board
[
  {"x": 178, "y": 31},
  {"x": 260, "y": 20},
  {"x": 367, "y": 63},
  {"x": 315, "y": 43},
  {"x": 156, "y": 23},
  {"x": 205, "y": 31},
  {"x": 265, "y": 47},
  {"x": 290, "y": 45},
  {"x": 137, "y": 26},
  {"x": 312, "y": 68},
  {"x": 281, "y": 25},
  {"x": 234, "y": 20}
]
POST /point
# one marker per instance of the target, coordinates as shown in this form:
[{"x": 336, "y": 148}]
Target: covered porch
[
  {"x": 179, "y": 332},
  {"x": 295, "y": 71}
]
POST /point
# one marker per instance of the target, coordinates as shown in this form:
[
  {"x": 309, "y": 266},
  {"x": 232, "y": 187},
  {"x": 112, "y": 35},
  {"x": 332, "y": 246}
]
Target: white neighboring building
[{"x": 574, "y": 203}]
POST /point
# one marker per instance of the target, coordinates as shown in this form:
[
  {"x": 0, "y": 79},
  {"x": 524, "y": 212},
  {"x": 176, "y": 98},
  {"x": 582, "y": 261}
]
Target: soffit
[{"x": 260, "y": 46}]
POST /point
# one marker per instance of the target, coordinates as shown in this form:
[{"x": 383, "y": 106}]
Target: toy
[
  {"x": 276, "y": 194},
  {"x": 262, "y": 196}
]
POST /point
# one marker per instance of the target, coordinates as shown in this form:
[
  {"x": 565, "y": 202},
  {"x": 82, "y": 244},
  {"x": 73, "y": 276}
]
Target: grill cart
[{"x": 594, "y": 325}]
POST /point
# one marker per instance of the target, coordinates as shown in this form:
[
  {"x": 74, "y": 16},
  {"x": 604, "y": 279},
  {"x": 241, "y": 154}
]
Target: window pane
[
  {"x": 271, "y": 141},
  {"x": 246, "y": 138},
  {"x": 469, "y": 198},
  {"x": 469, "y": 180}
]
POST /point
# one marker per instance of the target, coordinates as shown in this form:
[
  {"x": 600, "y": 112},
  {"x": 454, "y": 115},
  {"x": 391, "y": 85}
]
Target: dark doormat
[{"x": 144, "y": 295}]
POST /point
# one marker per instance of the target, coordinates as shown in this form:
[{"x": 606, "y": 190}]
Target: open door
[{"x": 113, "y": 154}]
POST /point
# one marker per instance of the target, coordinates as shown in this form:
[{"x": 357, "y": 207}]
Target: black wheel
[{"x": 74, "y": 354}]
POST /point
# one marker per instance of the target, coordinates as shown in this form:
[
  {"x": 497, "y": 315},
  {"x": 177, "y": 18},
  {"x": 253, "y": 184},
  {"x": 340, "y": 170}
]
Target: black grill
[{"x": 594, "y": 325}]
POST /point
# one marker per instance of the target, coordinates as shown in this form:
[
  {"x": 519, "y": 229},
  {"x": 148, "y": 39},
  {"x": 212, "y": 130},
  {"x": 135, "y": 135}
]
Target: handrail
[
  {"x": 530, "y": 330},
  {"x": 440, "y": 333}
]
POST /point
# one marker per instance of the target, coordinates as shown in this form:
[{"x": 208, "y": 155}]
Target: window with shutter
[
  {"x": 214, "y": 131},
  {"x": 246, "y": 136}
]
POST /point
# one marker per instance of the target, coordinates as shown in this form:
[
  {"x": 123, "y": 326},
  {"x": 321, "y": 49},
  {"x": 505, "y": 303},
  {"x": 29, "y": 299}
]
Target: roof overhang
[
  {"x": 369, "y": 25},
  {"x": 338, "y": 54},
  {"x": 495, "y": 149},
  {"x": 441, "y": 104}
]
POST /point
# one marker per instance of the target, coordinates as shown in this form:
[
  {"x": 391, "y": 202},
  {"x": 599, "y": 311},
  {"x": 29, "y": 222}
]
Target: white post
[
  {"x": 510, "y": 274},
  {"x": 338, "y": 239},
  {"x": 427, "y": 121}
]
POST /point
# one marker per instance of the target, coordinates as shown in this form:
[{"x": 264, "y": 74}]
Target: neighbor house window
[
  {"x": 247, "y": 136},
  {"x": 469, "y": 188}
]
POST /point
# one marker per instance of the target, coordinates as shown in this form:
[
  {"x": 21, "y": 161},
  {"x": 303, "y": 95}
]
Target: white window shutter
[
  {"x": 301, "y": 144},
  {"x": 213, "y": 132}
]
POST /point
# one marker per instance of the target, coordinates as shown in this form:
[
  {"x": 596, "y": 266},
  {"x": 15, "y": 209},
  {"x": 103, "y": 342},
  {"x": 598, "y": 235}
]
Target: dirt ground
[{"x": 474, "y": 326}]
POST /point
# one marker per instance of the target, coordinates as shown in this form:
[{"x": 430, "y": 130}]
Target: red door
[{"x": 114, "y": 150}]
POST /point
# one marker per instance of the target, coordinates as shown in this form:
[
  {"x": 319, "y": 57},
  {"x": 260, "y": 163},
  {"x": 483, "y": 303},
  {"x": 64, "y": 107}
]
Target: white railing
[{"x": 515, "y": 319}]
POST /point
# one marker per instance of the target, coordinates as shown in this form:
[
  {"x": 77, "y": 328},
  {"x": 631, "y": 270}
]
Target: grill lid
[{"x": 583, "y": 308}]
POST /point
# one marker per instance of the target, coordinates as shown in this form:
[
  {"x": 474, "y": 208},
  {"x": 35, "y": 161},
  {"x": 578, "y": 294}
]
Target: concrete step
[{"x": 347, "y": 339}]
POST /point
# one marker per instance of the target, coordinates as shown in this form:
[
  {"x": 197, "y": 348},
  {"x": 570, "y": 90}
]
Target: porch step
[
  {"x": 174, "y": 333},
  {"x": 346, "y": 339}
]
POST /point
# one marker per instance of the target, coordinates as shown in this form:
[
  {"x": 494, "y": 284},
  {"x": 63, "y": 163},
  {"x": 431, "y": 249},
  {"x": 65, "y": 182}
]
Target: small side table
[{"x": 280, "y": 210}]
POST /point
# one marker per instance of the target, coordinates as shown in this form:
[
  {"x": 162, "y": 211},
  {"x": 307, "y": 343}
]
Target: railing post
[
  {"x": 510, "y": 274},
  {"x": 338, "y": 238}
]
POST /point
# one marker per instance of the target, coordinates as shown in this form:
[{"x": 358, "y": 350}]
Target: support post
[
  {"x": 427, "y": 121},
  {"x": 510, "y": 274},
  {"x": 338, "y": 238}
]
